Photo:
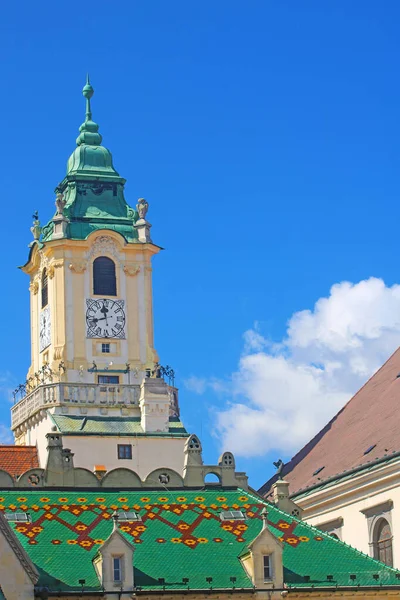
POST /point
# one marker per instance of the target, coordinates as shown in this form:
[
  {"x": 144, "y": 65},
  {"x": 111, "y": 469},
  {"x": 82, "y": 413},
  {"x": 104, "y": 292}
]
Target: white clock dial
[
  {"x": 44, "y": 329},
  {"x": 105, "y": 318}
]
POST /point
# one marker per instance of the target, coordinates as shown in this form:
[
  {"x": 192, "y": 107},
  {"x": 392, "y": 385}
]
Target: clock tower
[{"x": 94, "y": 375}]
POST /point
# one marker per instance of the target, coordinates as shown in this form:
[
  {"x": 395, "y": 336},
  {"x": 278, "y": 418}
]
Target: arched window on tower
[
  {"x": 104, "y": 278},
  {"x": 382, "y": 541},
  {"x": 45, "y": 289}
]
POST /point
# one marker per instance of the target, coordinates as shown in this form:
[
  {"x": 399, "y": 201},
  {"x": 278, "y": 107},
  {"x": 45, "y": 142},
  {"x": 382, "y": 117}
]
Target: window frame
[
  {"x": 105, "y": 348},
  {"x": 96, "y": 282},
  {"x": 121, "y": 452},
  {"x": 267, "y": 567},
  {"x": 119, "y": 569},
  {"x": 44, "y": 288},
  {"x": 108, "y": 379},
  {"x": 383, "y": 548},
  {"x": 374, "y": 515}
]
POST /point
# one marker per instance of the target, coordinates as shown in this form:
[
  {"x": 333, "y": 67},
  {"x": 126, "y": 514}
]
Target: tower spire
[
  {"x": 88, "y": 92},
  {"x": 89, "y": 130}
]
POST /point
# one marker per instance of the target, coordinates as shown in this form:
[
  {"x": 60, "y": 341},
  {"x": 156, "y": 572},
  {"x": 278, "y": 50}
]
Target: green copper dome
[
  {"x": 90, "y": 157},
  {"x": 92, "y": 193}
]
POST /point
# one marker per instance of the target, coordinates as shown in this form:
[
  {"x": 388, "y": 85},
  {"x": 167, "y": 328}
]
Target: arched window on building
[
  {"x": 104, "y": 278},
  {"x": 382, "y": 541},
  {"x": 45, "y": 289}
]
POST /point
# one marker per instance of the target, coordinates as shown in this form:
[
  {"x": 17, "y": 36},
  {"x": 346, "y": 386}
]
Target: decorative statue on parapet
[
  {"x": 142, "y": 207},
  {"x": 60, "y": 203},
  {"x": 279, "y": 464},
  {"x": 36, "y": 229},
  {"x": 157, "y": 371}
]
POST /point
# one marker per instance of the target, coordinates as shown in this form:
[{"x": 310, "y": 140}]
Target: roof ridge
[{"x": 17, "y": 447}]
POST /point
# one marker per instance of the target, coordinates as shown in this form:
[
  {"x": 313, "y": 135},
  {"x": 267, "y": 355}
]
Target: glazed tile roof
[
  {"x": 365, "y": 430},
  {"x": 78, "y": 425},
  {"x": 180, "y": 535},
  {"x": 18, "y": 459}
]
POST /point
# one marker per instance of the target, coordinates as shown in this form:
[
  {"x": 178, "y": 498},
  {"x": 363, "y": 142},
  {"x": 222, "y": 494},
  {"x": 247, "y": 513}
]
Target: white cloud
[
  {"x": 196, "y": 384},
  {"x": 282, "y": 394}
]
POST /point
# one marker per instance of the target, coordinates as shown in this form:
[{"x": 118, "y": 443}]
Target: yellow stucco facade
[{"x": 69, "y": 266}]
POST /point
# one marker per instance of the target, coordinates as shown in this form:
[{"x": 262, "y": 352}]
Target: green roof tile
[
  {"x": 180, "y": 535},
  {"x": 80, "y": 425}
]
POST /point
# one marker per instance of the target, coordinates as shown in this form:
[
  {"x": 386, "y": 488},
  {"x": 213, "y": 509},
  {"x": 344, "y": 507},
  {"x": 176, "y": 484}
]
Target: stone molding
[{"x": 378, "y": 509}]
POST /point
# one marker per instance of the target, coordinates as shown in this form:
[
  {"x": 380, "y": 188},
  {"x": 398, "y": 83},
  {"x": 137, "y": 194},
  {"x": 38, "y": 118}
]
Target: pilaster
[{"x": 154, "y": 405}]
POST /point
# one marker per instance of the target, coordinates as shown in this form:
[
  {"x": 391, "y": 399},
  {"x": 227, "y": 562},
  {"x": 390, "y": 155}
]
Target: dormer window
[
  {"x": 18, "y": 517},
  {"x": 117, "y": 569},
  {"x": 267, "y": 570},
  {"x": 232, "y": 515},
  {"x": 104, "y": 277},
  {"x": 45, "y": 291}
]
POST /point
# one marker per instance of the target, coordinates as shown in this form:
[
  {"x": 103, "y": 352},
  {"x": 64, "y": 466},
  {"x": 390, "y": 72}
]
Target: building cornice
[{"x": 384, "y": 477}]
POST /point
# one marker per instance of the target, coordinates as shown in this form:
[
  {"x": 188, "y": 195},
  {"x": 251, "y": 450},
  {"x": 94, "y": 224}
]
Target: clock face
[
  {"x": 105, "y": 318},
  {"x": 44, "y": 329}
]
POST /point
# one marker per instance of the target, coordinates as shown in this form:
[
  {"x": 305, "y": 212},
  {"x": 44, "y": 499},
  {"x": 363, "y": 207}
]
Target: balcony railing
[{"x": 57, "y": 394}]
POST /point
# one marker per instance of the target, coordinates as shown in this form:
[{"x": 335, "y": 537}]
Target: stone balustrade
[{"x": 59, "y": 394}]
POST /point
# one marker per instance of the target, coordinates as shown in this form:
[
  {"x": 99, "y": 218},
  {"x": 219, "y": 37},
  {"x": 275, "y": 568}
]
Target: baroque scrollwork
[
  {"x": 58, "y": 352},
  {"x": 34, "y": 287},
  {"x": 131, "y": 269},
  {"x": 44, "y": 262},
  {"x": 104, "y": 244},
  {"x": 78, "y": 266}
]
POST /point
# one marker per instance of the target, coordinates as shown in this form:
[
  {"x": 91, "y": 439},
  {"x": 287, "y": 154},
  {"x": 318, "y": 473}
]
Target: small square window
[
  {"x": 267, "y": 570},
  {"x": 124, "y": 451},
  {"x": 110, "y": 379},
  {"x": 105, "y": 348}
]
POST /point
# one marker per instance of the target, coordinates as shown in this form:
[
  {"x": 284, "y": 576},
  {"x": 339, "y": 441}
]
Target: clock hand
[
  {"x": 95, "y": 321},
  {"x": 104, "y": 310}
]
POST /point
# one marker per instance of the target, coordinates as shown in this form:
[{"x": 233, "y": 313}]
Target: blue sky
[{"x": 265, "y": 136}]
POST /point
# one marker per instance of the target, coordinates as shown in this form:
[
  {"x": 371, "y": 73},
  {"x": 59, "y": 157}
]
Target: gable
[{"x": 17, "y": 573}]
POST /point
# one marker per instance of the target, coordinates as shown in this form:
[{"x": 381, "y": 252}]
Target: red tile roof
[
  {"x": 369, "y": 419},
  {"x": 18, "y": 459}
]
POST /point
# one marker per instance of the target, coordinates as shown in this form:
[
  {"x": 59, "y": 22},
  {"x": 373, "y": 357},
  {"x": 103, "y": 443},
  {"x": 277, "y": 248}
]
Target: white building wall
[
  {"x": 147, "y": 453},
  {"x": 348, "y": 500},
  {"x": 36, "y": 436}
]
